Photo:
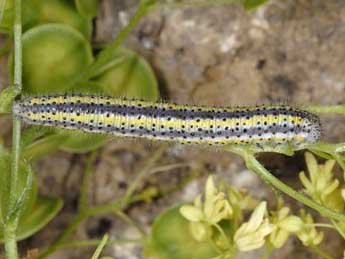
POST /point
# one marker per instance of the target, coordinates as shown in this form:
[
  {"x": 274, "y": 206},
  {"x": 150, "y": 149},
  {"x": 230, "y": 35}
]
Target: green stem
[
  {"x": 321, "y": 225},
  {"x": 113, "y": 206},
  {"x": 100, "y": 247},
  {"x": 10, "y": 242},
  {"x": 321, "y": 252},
  {"x": 169, "y": 168},
  {"x": 61, "y": 242},
  {"x": 195, "y": 4},
  {"x": 95, "y": 242},
  {"x": 221, "y": 232},
  {"x": 84, "y": 187},
  {"x": 105, "y": 208},
  {"x": 64, "y": 236},
  {"x": 340, "y": 109},
  {"x": 18, "y": 85},
  {"x": 130, "y": 222},
  {"x": 334, "y": 150},
  {"x": 145, "y": 171},
  {"x": 2, "y": 9},
  {"x": 254, "y": 165},
  {"x": 103, "y": 57},
  {"x": 214, "y": 245},
  {"x": 11, "y": 224}
]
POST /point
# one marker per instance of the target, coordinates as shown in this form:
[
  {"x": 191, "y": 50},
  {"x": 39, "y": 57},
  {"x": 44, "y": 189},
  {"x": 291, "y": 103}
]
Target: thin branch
[
  {"x": 257, "y": 167},
  {"x": 145, "y": 171},
  {"x": 195, "y": 4},
  {"x": 84, "y": 187},
  {"x": 95, "y": 242},
  {"x": 10, "y": 227}
]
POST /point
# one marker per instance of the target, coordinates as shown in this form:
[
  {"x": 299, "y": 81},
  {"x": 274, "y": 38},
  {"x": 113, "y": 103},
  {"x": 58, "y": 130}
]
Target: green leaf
[
  {"x": 171, "y": 239},
  {"x": 6, "y": 15},
  {"x": 38, "y": 12},
  {"x": 87, "y": 8},
  {"x": 252, "y": 4},
  {"x": 44, "y": 146},
  {"x": 55, "y": 11},
  {"x": 53, "y": 55},
  {"x": 126, "y": 74},
  {"x": 33, "y": 133},
  {"x": 6, "y": 99},
  {"x": 78, "y": 142},
  {"x": 24, "y": 170},
  {"x": 45, "y": 210}
]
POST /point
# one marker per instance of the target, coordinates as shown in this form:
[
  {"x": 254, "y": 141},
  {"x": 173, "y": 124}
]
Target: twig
[{"x": 10, "y": 226}]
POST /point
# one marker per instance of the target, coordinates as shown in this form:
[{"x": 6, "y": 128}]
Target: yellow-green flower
[
  {"x": 204, "y": 215},
  {"x": 200, "y": 231},
  {"x": 321, "y": 185},
  {"x": 214, "y": 209},
  {"x": 239, "y": 201},
  {"x": 251, "y": 235},
  {"x": 285, "y": 224},
  {"x": 308, "y": 233}
]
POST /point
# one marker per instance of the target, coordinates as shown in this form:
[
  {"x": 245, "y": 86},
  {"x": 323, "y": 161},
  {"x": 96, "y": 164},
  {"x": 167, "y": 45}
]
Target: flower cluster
[
  {"x": 204, "y": 215},
  {"x": 263, "y": 227},
  {"x": 321, "y": 185}
]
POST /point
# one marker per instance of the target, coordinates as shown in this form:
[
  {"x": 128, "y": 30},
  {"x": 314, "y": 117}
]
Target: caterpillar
[{"x": 260, "y": 125}]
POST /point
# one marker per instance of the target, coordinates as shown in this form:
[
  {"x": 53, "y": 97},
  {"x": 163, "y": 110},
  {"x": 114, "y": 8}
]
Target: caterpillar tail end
[{"x": 316, "y": 130}]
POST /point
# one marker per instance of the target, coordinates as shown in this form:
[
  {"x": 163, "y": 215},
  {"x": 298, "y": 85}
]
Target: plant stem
[
  {"x": 340, "y": 109},
  {"x": 2, "y": 9},
  {"x": 195, "y": 4},
  {"x": 17, "y": 84},
  {"x": 63, "y": 237},
  {"x": 95, "y": 242},
  {"x": 100, "y": 247},
  {"x": 10, "y": 226},
  {"x": 164, "y": 168},
  {"x": 145, "y": 171},
  {"x": 61, "y": 242},
  {"x": 84, "y": 187},
  {"x": 321, "y": 225},
  {"x": 10, "y": 242},
  {"x": 221, "y": 232},
  {"x": 104, "y": 56},
  {"x": 113, "y": 206},
  {"x": 130, "y": 222},
  {"x": 255, "y": 165}
]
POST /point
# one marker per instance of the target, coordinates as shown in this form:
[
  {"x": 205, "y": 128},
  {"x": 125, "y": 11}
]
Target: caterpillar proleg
[{"x": 259, "y": 125}]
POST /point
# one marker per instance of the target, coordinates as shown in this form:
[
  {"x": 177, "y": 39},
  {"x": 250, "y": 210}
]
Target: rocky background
[{"x": 290, "y": 51}]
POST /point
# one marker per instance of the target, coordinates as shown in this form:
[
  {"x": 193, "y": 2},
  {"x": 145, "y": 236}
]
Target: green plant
[{"x": 217, "y": 226}]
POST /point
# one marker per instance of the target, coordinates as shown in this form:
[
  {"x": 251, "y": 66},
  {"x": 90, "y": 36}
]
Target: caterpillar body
[{"x": 261, "y": 125}]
